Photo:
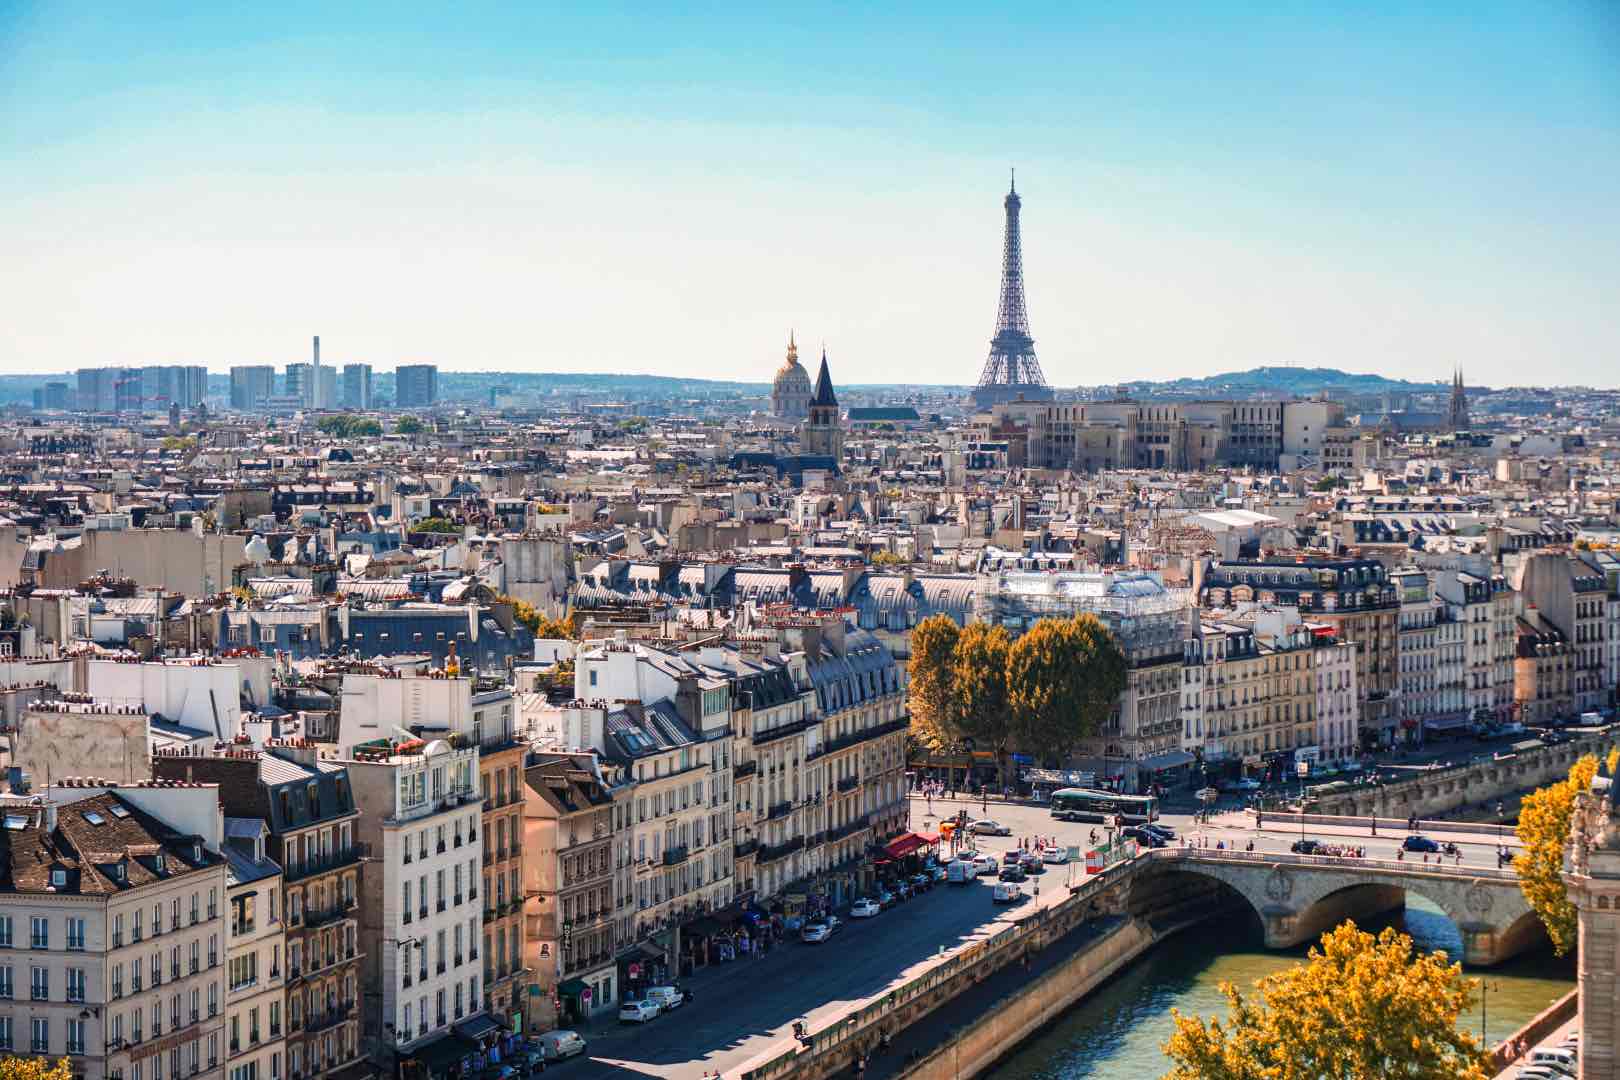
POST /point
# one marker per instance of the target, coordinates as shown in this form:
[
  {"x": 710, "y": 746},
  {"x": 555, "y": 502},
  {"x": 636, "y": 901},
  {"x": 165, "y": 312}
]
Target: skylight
[
  {"x": 16, "y": 821},
  {"x": 117, "y": 811},
  {"x": 94, "y": 818}
]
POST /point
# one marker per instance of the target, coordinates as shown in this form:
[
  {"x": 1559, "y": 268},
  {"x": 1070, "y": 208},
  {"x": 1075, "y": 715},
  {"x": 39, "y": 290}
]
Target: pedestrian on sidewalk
[{"x": 1374, "y": 821}]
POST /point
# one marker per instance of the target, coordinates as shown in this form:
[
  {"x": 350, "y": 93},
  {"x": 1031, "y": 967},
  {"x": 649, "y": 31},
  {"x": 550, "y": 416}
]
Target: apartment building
[
  {"x": 111, "y": 913},
  {"x": 1333, "y": 667},
  {"x": 310, "y": 815},
  {"x": 1353, "y": 596},
  {"x": 1470, "y": 603},
  {"x": 421, "y": 925},
  {"x": 255, "y": 955},
  {"x": 1573, "y": 597},
  {"x": 569, "y": 891},
  {"x": 1543, "y": 671},
  {"x": 441, "y": 704}
]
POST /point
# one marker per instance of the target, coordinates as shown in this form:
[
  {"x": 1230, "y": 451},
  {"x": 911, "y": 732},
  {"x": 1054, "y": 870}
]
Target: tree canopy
[
  {"x": 978, "y": 675},
  {"x": 1063, "y": 678},
  {"x": 35, "y": 1068},
  {"x": 540, "y": 624},
  {"x": 933, "y": 649},
  {"x": 1357, "y": 1008},
  {"x": 409, "y": 425},
  {"x": 437, "y": 525},
  {"x": 348, "y": 426},
  {"x": 1040, "y": 694},
  {"x": 1544, "y": 821}
]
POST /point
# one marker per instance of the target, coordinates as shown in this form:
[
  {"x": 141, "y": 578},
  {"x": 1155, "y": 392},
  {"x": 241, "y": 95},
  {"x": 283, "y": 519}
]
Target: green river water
[{"x": 1118, "y": 1032}]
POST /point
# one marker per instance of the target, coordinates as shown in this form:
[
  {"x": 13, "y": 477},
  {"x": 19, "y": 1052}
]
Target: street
[{"x": 742, "y": 1009}]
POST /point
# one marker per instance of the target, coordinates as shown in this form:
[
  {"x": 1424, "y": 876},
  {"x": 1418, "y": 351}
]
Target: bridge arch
[{"x": 1298, "y": 899}]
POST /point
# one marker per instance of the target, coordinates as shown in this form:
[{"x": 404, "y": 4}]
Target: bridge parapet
[{"x": 1299, "y": 896}]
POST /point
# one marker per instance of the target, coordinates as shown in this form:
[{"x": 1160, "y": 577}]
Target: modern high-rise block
[
  {"x": 252, "y": 385},
  {"x": 356, "y": 386},
  {"x": 416, "y": 385}
]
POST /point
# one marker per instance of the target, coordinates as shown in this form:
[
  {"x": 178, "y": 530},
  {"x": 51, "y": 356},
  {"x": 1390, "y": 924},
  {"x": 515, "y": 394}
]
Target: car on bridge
[
  {"x": 1305, "y": 847},
  {"x": 1416, "y": 842}
]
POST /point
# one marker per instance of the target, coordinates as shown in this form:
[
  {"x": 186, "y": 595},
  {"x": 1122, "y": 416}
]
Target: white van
[
  {"x": 960, "y": 873},
  {"x": 556, "y": 1045},
  {"x": 1007, "y": 892}
]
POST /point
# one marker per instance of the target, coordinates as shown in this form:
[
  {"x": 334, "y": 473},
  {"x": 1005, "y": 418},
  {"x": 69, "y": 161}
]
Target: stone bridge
[{"x": 1299, "y": 896}]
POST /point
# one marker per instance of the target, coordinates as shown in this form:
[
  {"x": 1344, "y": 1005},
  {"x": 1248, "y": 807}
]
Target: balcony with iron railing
[
  {"x": 342, "y": 910},
  {"x": 772, "y": 852},
  {"x": 744, "y": 848},
  {"x": 337, "y": 860},
  {"x": 676, "y": 855},
  {"x": 847, "y": 784},
  {"x": 779, "y": 810},
  {"x": 330, "y": 1018}
]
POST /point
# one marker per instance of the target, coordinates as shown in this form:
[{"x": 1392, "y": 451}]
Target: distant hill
[{"x": 1300, "y": 381}]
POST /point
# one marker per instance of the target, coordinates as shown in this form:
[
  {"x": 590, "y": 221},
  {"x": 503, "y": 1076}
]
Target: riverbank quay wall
[
  {"x": 1535, "y": 1029},
  {"x": 1440, "y": 791},
  {"x": 832, "y": 1049}
]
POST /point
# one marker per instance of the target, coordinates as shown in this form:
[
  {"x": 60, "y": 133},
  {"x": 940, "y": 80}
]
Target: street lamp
[
  {"x": 1485, "y": 990},
  {"x": 1303, "y": 768}
]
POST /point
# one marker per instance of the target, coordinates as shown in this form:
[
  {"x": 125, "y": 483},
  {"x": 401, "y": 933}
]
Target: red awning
[
  {"x": 929, "y": 838},
  {"x": 903, "y": 845}
]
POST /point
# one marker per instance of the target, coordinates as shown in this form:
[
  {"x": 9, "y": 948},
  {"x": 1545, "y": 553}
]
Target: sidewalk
[{"x": 1243, "y": 821}]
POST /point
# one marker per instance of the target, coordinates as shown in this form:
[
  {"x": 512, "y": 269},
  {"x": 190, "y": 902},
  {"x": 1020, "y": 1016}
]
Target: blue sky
[{"x": 1379, "y": 187}]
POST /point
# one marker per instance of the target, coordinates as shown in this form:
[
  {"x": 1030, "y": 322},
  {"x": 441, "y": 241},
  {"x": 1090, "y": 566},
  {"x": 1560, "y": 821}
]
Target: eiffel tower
[{"x": 1011, "y": 371}]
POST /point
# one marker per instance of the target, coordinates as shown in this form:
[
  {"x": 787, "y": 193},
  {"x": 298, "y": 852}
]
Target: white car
[
  {"x": 815, "y": 932},
  {"x": 864, "y": 909},
  {"x": 986, "y": 827},
  {"x": 1055, "y": 856},
  {"x": 637, "y": 1012},
  {"x": 985, "y": 864}
]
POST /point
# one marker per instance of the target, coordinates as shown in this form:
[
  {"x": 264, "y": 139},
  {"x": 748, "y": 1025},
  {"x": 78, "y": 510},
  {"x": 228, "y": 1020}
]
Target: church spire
[{"x": 824, "y": 387}]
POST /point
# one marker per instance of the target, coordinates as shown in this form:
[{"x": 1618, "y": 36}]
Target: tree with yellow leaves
[
  {"x": 1544, "y": 820},
  {"x": 1358, "y": 1008},
  {"x": 35, "y": 1068},
  {"x": 933, "y": 648}
]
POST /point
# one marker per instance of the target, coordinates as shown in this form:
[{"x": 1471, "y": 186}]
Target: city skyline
[{"x": 1393, "y": 192}]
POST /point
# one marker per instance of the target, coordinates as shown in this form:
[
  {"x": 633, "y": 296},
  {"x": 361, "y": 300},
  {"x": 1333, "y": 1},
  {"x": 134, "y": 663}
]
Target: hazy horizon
[{"x": 1377, "y": 188}]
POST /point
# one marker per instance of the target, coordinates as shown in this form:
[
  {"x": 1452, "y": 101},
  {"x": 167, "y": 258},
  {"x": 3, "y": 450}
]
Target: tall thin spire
[{"x": 1011, "y": 369}]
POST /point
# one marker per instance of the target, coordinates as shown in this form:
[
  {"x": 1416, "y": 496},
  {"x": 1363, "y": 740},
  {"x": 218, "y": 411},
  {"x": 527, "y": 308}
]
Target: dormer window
[
  {"x": 59, "y": 879},
  {"x": 162, "y": 864}
]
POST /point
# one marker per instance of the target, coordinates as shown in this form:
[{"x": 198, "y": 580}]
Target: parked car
[
  {"x": 864, "y": 908},
  {"x": 1007, "y": 892},
  {"x": 637, "y": 1012},
  {"x": 1031, "y": 863},
  {"x": 1419, "y": 843},
  {"x": 1143, "y": 837},
  {"x": 985, "y": 864},
  {"x": 665, "y": 997},
  {"x": 1305, "y": 847},
  {"x": 815, "y": 932},
  {"x": 556, "y": 1045},
  {"x": 986, "y": 827},
  {"x": 1056, "y": 856},
  {"x": 1013, "y": 872}
]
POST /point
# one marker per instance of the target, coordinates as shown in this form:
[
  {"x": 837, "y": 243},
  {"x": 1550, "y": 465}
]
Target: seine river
[{"x": 1118, "y": 1032}]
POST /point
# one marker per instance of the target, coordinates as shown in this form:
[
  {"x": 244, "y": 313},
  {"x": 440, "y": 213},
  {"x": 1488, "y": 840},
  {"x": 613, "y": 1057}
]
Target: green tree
[
  {"x": 887, "y": 558},
  {"x": 35, "y": 1068},
  {"x": 1063, "y": 679},
  {"x": 437, "y": 525},
  {"x": 179, "y": 443},
  {"x": 409, "y": 425},
  {"x": 1358, "y": 1008},
  {"x": 933, "y": 651},
  {"x": 979, "y": 691},
  {"x": 348, "y": 426},
  {"x": 1544, "y": 820}
]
